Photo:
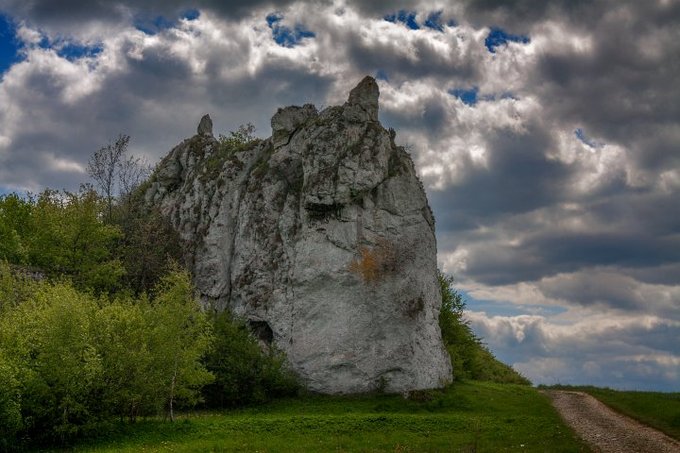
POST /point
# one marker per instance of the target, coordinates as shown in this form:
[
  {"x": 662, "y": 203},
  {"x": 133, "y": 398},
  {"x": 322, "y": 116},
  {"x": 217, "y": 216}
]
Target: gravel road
[{"x": 605, "y": 430}]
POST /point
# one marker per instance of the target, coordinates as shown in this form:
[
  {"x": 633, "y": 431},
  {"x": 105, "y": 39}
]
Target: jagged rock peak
[
  {"x": 205, "y": 126},
  {"x": 366, "y": 95}
]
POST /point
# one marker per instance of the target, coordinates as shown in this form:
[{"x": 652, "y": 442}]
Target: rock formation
[
  {"x": 322, "y": 238},
  {"x": 205, "y": 126}
]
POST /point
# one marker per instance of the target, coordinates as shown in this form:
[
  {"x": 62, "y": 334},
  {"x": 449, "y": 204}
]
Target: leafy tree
[
  {"x": 70, "y": 238},
  {"x": 48, "y": 337},
  {"x": 70, "y": 362},
  {"x": 11, "y": 421},
  {"x": 11, "y": 247},
  {"x": 15, "y": 287},
  {"x": 15, "y": 214},
  {"x": 104, "y": 166},
  {"x": 149, "y": 246},
  {"x": 181, "y": 333},
  {"x": 122, "y": 335}
]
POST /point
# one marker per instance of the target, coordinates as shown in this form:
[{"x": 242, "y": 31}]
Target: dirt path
[{"x": 605, "y": 430}]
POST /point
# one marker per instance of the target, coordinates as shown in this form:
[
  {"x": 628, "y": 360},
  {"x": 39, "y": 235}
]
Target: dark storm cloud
[
  {"x": 425, "y": 62},
  {"x": 572, "y": 251},
  {"x": 518, "y": 177},
  {"x": 636, "y": 230},
  {"x": 68, "y": 13},
  {"x": 591, "y": 289},
  {"x": 540, "y": 253}
]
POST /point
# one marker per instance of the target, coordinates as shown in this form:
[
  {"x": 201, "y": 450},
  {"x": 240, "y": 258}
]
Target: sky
[{"x": 547, "y": 136}]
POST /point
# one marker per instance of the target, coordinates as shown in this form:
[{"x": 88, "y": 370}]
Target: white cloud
[{"x": 621, "y": 351}]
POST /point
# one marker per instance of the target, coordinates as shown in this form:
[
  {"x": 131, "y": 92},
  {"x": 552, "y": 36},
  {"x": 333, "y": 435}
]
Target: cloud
[
  {"x": 74, "y": 104},
  {"x": 629, "y": 352}
]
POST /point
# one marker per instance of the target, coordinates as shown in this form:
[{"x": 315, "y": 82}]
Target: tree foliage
[
  {"x": 149, "y": 246},
  {"x": 61, "y": 234},
  {"x": 70, "y": 362}
]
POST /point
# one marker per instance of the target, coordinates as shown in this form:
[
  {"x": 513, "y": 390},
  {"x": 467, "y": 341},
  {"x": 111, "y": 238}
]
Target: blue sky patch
[
  {"x": 407, "y": 18},
  {"x": 434, "y": 21},
  {"x": 74, "y": 51},
  {"x": 9, "y": 44},
  {"x": 498, "y": 37},
  {"x": 191, "y": 14},
  {"x": 153, "y": 25},
  {"x": 504, "y": 308},
  {"x": 468, "y": 96},
  {"x": 381, "y": 75},
  {"x": 284, "y": 35},
  {"x": 583, "y": 138}
]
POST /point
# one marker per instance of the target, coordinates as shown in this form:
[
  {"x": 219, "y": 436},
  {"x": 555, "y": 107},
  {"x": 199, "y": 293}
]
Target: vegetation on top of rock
[{"x": 226, "y": 149}]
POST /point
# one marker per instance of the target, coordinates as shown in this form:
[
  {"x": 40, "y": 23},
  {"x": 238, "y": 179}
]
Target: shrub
[
  {"x": 244, "y": 373},
  {"x": 470, "y": 358},
  {"x": 70, "y": 362}
]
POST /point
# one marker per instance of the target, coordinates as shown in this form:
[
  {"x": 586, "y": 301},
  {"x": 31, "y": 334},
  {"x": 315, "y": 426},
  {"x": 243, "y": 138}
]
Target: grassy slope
[
  {"x": 471, "y": 416},
  {"x": 656, "y": 409}
]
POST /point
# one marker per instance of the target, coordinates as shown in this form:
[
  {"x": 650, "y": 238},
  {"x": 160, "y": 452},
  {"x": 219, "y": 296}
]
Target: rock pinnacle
[
  {"x": 366, "y": 95},
  {"x": 205, "y": 126}
]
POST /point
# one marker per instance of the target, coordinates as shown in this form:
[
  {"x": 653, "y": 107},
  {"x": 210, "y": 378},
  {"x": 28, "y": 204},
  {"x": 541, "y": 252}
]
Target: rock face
[{"x": 322, "y": 238}]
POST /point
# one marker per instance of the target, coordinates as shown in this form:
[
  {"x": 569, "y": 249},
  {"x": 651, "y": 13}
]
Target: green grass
[
  {"x": 656, "y": 409},
  {"x": 470, "y": 416}
]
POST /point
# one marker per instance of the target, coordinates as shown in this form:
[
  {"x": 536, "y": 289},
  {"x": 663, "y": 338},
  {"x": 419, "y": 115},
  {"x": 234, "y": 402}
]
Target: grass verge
[
  {"x": 656, "y": 409},
  {"x": 469, "y": 417}
]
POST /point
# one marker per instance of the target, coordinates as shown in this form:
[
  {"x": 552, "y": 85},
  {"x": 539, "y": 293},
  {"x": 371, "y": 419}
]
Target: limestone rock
[
  {"x": 322, "y": 238},
  {"x": 287, "y": 120},
  {"x": 205, "y": 126},
  {"x": 365, "y": 95}
]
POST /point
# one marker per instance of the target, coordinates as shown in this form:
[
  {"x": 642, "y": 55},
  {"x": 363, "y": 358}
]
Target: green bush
[
  {"x": 470, "y": 358},
  {"x": 244, "y": 373}
]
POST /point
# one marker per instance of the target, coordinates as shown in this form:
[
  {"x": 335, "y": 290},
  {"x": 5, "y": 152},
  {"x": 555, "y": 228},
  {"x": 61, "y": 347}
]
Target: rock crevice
[{"x": 322, "y": 238}]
